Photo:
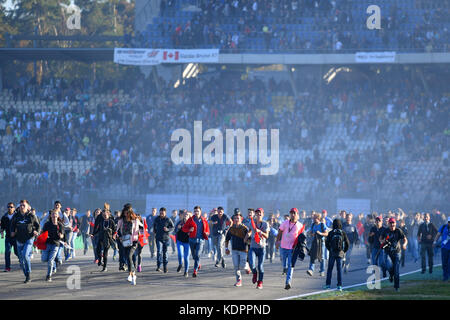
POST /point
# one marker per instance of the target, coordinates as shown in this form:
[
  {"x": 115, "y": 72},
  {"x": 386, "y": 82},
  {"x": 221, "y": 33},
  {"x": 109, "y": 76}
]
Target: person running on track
[
  {"x": 106, "y": 230},
  {"x": 258, "y": 232},
  {"x": 236, "y": 234},
  {"x": 55, "y": 231},
  {"x": 162, "y": 226},
  {"x": 317, "y": 232},
  {"x": 128, "y": 230},
  {"x": 198, "y": 229},
  {"x": 390, "y": 239},
  {"x": 287, "y": 235},
  {"x": 183, "y": 242},
  {"x": 25, "y": 227}
]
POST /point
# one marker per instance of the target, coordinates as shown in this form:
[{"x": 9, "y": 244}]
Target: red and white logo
[
  {"x": 152, "y": 53},
  {"x": 171, "y": 55}
]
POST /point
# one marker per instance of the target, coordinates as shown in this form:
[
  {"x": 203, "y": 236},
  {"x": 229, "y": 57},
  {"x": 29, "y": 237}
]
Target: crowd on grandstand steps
[
  {"x": 115, "y": 134},
  {"x": 389, "y": 240},
  {"x": 333, "y": 21}
]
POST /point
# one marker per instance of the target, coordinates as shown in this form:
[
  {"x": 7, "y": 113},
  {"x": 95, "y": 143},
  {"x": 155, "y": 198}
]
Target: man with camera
[{"x": 390, "y": 240}]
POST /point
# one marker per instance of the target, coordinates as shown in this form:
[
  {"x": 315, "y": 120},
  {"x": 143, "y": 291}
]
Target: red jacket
[{"x": 190, "y": 223}]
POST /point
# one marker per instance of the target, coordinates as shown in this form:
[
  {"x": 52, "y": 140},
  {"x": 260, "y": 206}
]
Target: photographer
[{"x": 390, "y": 241}]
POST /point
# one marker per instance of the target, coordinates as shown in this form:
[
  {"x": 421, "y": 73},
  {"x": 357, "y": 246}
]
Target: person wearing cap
[
  {"x": 287, "y": 234},
  {"x": 426, "y": 234},
  {"x": 328, "y": 221},
  {"x": 237, "y": 234},
  {"x": 220, "y": 224},
  {"x": 258, "y": 233},
  {"x": 444, "y": 231},
  {"x": 390, "y": 239}
]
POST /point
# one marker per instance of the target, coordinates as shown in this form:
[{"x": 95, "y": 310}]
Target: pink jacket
[{"x": 134, "y": 230}]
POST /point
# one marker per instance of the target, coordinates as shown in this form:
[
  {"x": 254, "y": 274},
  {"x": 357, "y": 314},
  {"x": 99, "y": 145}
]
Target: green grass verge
[{"x": 414, "y": 286}]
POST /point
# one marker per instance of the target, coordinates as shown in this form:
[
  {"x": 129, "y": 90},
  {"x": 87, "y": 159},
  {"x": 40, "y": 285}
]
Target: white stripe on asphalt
[{"x": 348, "y": 287}]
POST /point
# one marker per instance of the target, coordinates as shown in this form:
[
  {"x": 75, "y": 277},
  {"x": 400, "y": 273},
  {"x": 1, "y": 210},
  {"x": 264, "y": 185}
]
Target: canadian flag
[{"x": 171, "y": 55}]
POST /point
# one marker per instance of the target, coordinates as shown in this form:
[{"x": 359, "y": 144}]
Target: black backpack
[{"x": 337, "y": 241}]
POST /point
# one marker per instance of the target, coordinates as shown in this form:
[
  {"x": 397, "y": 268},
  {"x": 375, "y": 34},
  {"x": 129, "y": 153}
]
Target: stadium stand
[
  {"x": 310, "y": 26},
  {"x": 343, "y": 140}
]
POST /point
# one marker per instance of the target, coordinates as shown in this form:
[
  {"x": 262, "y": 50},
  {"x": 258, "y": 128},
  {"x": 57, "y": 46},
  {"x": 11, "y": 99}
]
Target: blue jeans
[
  {"x": 219, "y": 242},
  {"x": 59, "y": 254},
  {"x": 259, "y": 253},
  {"x": 414, "y": 244},
  {"x": 196, "y": 246},
  {"x": 183, "y": 253},
  {"x": 9, "y": 243},
  {"x": 392, "y": 263},
  {"x": 324, "y": 251},
  {"x": 380, "y": 260},
  {"x": 286, "y": 256},
  {"x": 348, "y": 254},
  {"x": 239, "y": 260},
  {"x": 161, "y": 257},
  {"x": 49, "y": 255},
  {"x": 445, "y": 256},
  {"x": 322, "y": 266},
  {"x": 331, "y": 262},
  {"x": 72, "y": 244},
  {"x": 67, "y": 251},
  {"x": 94, "y": 246},
  {"x": 86, "y": 238},
  {"x": 25, "y": 250}
]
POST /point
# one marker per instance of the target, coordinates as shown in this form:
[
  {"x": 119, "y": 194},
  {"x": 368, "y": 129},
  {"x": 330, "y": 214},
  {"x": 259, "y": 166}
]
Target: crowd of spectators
[
  {"x": 330, "y": 24},
  {"x": 121, "y": 138}
]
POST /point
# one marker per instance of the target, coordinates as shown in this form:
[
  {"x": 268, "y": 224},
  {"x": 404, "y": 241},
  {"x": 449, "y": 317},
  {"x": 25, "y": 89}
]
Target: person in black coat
[
  {"x": 106, "y": 229},
  {"x": 337, "y": 244}
]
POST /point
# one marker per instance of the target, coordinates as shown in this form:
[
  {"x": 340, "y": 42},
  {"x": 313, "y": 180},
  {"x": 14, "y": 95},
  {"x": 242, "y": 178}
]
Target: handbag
[{"x": 126, "y": 241}]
